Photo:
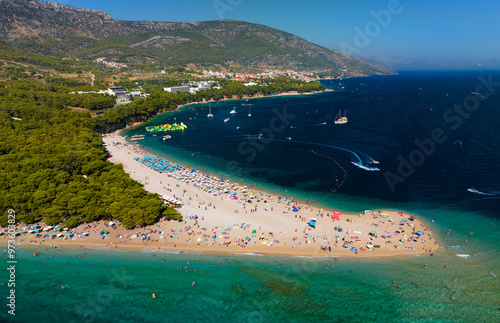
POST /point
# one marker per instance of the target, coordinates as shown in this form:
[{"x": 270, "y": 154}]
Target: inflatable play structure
[
  {"x": 336, "y": 216},
  {"x": 166, "y": 127}
]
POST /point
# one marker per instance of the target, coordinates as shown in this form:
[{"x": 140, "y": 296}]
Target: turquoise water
[
  {"x": 307, "y": 155},
  {"x": 251, "y": 288},
  {"x": 455, "y": 192}
]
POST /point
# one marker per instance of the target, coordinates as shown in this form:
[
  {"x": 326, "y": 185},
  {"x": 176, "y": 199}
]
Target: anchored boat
[
  {"x": 137, "y": 137},
  {"x": 341, "y": 119}
]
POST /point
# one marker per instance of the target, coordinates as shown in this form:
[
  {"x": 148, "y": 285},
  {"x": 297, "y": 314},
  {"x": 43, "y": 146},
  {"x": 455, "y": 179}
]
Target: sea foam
[
  {"x": 492, "y": 193},
  {"x": 371, "y": 169}
]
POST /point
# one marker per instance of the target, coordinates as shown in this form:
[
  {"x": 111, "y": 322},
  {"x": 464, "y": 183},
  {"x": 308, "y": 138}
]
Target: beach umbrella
[
  {"x": 419, "y": 233},
  {"x": 68, "y": 234},
  {"x": 59, "y": 234},
  {"x": 50, "y": 235},
  {"x": 254, "y": 231},
  {"x": 106, "y": 232},
  {"x": 35, "y": 226},
  {"x": 295, "y": 209},
  {"x": 58, "y": 229}
]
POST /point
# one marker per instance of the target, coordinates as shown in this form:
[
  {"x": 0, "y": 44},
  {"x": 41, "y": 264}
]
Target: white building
[
  {"x": 119, "y": 91},
  {"x": 176, "y": 89}
]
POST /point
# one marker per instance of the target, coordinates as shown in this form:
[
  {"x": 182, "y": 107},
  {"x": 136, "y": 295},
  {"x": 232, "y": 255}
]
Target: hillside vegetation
[
  {"x": 63, "y": 31},
  {"x": 54, "y": 167}
]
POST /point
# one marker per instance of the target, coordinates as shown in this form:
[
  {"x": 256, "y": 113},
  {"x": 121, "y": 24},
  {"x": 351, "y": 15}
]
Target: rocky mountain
[{"x": 58, "y": 30}]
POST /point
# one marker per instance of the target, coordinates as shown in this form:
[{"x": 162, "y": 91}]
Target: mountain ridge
[{"x": 59, "y": 30}]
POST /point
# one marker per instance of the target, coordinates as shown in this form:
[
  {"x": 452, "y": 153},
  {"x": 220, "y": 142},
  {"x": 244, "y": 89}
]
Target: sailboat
[
  {"x": 210, "y": 115},
  {"x": 341, "y": 119},
  {"x": 233, "y": 111},
  {"x": 249, "y": 112}
]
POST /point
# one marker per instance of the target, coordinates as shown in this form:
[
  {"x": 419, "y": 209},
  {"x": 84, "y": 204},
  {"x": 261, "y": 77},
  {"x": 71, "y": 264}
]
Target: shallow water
[
  {"x": 386, "y": 115},
  {"x": 251, "y": 289}
]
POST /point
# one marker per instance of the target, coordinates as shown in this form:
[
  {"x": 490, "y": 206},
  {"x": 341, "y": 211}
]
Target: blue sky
[{"x": 418, "y": 34}]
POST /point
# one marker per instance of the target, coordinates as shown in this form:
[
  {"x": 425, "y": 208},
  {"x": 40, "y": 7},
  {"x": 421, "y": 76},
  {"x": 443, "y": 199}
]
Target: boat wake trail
[
  {"x": 312, "y": 125},
  {"x": 359, "y": 162},
  {"x": 371, "y": 169},
  {"x": 492, "y": 193}
]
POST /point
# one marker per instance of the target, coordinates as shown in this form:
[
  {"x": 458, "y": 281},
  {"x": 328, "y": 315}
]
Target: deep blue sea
[
  {"x": 291, "y": 142},
  {"x": 424, "y": 142}
]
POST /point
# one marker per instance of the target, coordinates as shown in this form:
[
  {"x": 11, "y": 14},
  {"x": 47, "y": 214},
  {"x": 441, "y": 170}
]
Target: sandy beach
[{"x": 223, "y": 217}]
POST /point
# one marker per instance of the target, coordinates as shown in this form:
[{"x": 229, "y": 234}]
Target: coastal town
[
  {"x": 250, "y": 162},
  {"x": 270, "y": 74}
]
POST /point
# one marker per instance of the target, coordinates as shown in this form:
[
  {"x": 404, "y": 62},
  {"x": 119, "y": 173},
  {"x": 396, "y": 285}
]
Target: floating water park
[{"x": 166, "y": 127}]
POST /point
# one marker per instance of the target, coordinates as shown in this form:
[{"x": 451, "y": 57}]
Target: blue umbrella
[{"x": 50, "y": 235}]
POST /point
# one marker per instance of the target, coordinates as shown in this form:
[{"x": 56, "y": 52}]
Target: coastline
[
  {"x": 292, "y": 93},
  {"x": 248, "y": 222}
]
